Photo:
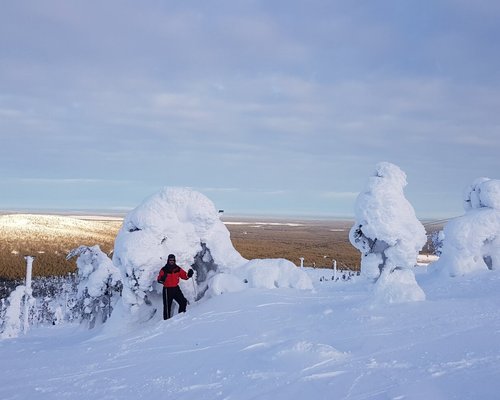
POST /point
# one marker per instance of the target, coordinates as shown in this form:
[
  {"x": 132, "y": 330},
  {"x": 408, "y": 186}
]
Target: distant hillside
[{"x": 49, "y": 238}]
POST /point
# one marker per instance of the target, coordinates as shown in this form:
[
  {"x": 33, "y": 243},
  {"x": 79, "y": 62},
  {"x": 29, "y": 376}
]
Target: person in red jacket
[{"x": 169, "y": 277}]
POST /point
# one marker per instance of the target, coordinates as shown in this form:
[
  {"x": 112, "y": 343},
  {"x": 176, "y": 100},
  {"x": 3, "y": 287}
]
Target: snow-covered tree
[
  {"x": 12, "y": 313},
  {"x": 437, "y": 239},
  {"x": 99, "y": 286},
  {"x": 388, "y": 234},
  {"x": 174, "y": 220},
  {"x": 472, "y": 241}
]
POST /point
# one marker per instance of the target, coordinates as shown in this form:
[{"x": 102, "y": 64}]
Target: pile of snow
[
  {"x": 389, "y": 235},
  {"x": 261, "y": 273},
  {"x": 186, "y": 223},
  {"x": 472, "y": 241}
]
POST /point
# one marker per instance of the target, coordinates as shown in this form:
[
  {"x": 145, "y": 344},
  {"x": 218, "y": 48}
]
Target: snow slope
[{"x": 325, "y": 343}]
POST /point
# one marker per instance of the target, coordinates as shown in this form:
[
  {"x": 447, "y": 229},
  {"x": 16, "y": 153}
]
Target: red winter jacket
[{"x": 170, "y": 274}]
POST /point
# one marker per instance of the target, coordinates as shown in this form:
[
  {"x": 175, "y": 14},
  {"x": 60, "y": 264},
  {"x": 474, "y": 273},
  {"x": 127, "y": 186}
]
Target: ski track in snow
[{"x": 276, "y": 344}]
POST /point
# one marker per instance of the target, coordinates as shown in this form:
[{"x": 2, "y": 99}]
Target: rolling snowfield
[{"x": 331, "y": 342}]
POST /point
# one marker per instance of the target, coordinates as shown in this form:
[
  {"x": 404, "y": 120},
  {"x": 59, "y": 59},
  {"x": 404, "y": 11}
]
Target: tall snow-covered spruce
[
  {"x": 472, "y": 241},
  {"x": 388, "y": 235}
]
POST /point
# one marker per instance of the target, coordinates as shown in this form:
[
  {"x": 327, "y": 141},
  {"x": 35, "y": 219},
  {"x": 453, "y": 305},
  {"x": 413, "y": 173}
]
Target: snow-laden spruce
[
  {"x": 186, "y": 223},
  {"x": 99, "y": 284},
  {"x": 472, "y": 241},
  {"x": 389, "y": 235},
  {"x": 12, "y": 316}
]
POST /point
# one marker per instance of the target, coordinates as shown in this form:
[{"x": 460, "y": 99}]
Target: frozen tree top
[
  {"x": 472, "y": 241},
  {"x": 483, "y": 192}
]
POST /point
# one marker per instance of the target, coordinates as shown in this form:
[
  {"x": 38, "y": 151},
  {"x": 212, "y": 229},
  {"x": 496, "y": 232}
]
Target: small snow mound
[
  {"x": 274, "y": 273},
  {"x": 224, "y": 283},
  {"x": 266, "y": 273}
]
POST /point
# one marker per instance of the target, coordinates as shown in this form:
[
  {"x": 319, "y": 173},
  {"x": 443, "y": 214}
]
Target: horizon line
[{"x": 264, "y": 215}]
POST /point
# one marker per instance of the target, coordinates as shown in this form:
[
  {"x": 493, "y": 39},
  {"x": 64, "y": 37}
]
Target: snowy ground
[{"x": 330, "y": 343}]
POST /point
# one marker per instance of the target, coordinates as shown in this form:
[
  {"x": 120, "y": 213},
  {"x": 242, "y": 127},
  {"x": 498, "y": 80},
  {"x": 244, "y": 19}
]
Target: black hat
[{"x": 171, "y": 257}]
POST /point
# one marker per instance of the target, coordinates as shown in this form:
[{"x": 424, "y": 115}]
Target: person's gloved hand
[{"x": 190, "y": 273}]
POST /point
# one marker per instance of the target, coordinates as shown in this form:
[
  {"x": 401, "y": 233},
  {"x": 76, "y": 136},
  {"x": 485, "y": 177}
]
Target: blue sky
[{"x": 267, "y": 107}]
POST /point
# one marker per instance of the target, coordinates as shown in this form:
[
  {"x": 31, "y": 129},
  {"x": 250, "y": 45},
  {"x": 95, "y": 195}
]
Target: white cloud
[{"x": 257, "y": 95}]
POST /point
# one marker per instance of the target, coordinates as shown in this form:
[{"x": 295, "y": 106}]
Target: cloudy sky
[{"x": 267, "y": 107}]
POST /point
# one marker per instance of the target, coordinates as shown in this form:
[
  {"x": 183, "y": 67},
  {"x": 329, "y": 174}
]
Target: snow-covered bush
[
  {"x": 13, "y": 313},
  {"x": 53, "y": 300},
  {"x": 388, "y": 234},
  {"x": 99, "y": 285},
  {"x": 56, "y": 298},
  {"x": 472, "y": 241}
]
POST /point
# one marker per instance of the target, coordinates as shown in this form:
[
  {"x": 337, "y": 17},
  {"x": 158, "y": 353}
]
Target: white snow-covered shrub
[
  {"x": 472, "y": 241},
  {"x": 13, "y": 314},
  {"x": 388, "y": 233},
  {"x": 99, "y": 284}
]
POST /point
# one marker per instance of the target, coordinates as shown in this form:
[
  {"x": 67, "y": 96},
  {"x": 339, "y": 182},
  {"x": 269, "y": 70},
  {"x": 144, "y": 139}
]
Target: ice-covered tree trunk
[
  {"x": 389, "y": 235},
  {"x": 99, "y": 286},
  {"x": 28, "y": 292}
]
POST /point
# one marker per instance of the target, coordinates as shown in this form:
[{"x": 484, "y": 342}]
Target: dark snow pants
[{"x": 169, "y": 295}]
